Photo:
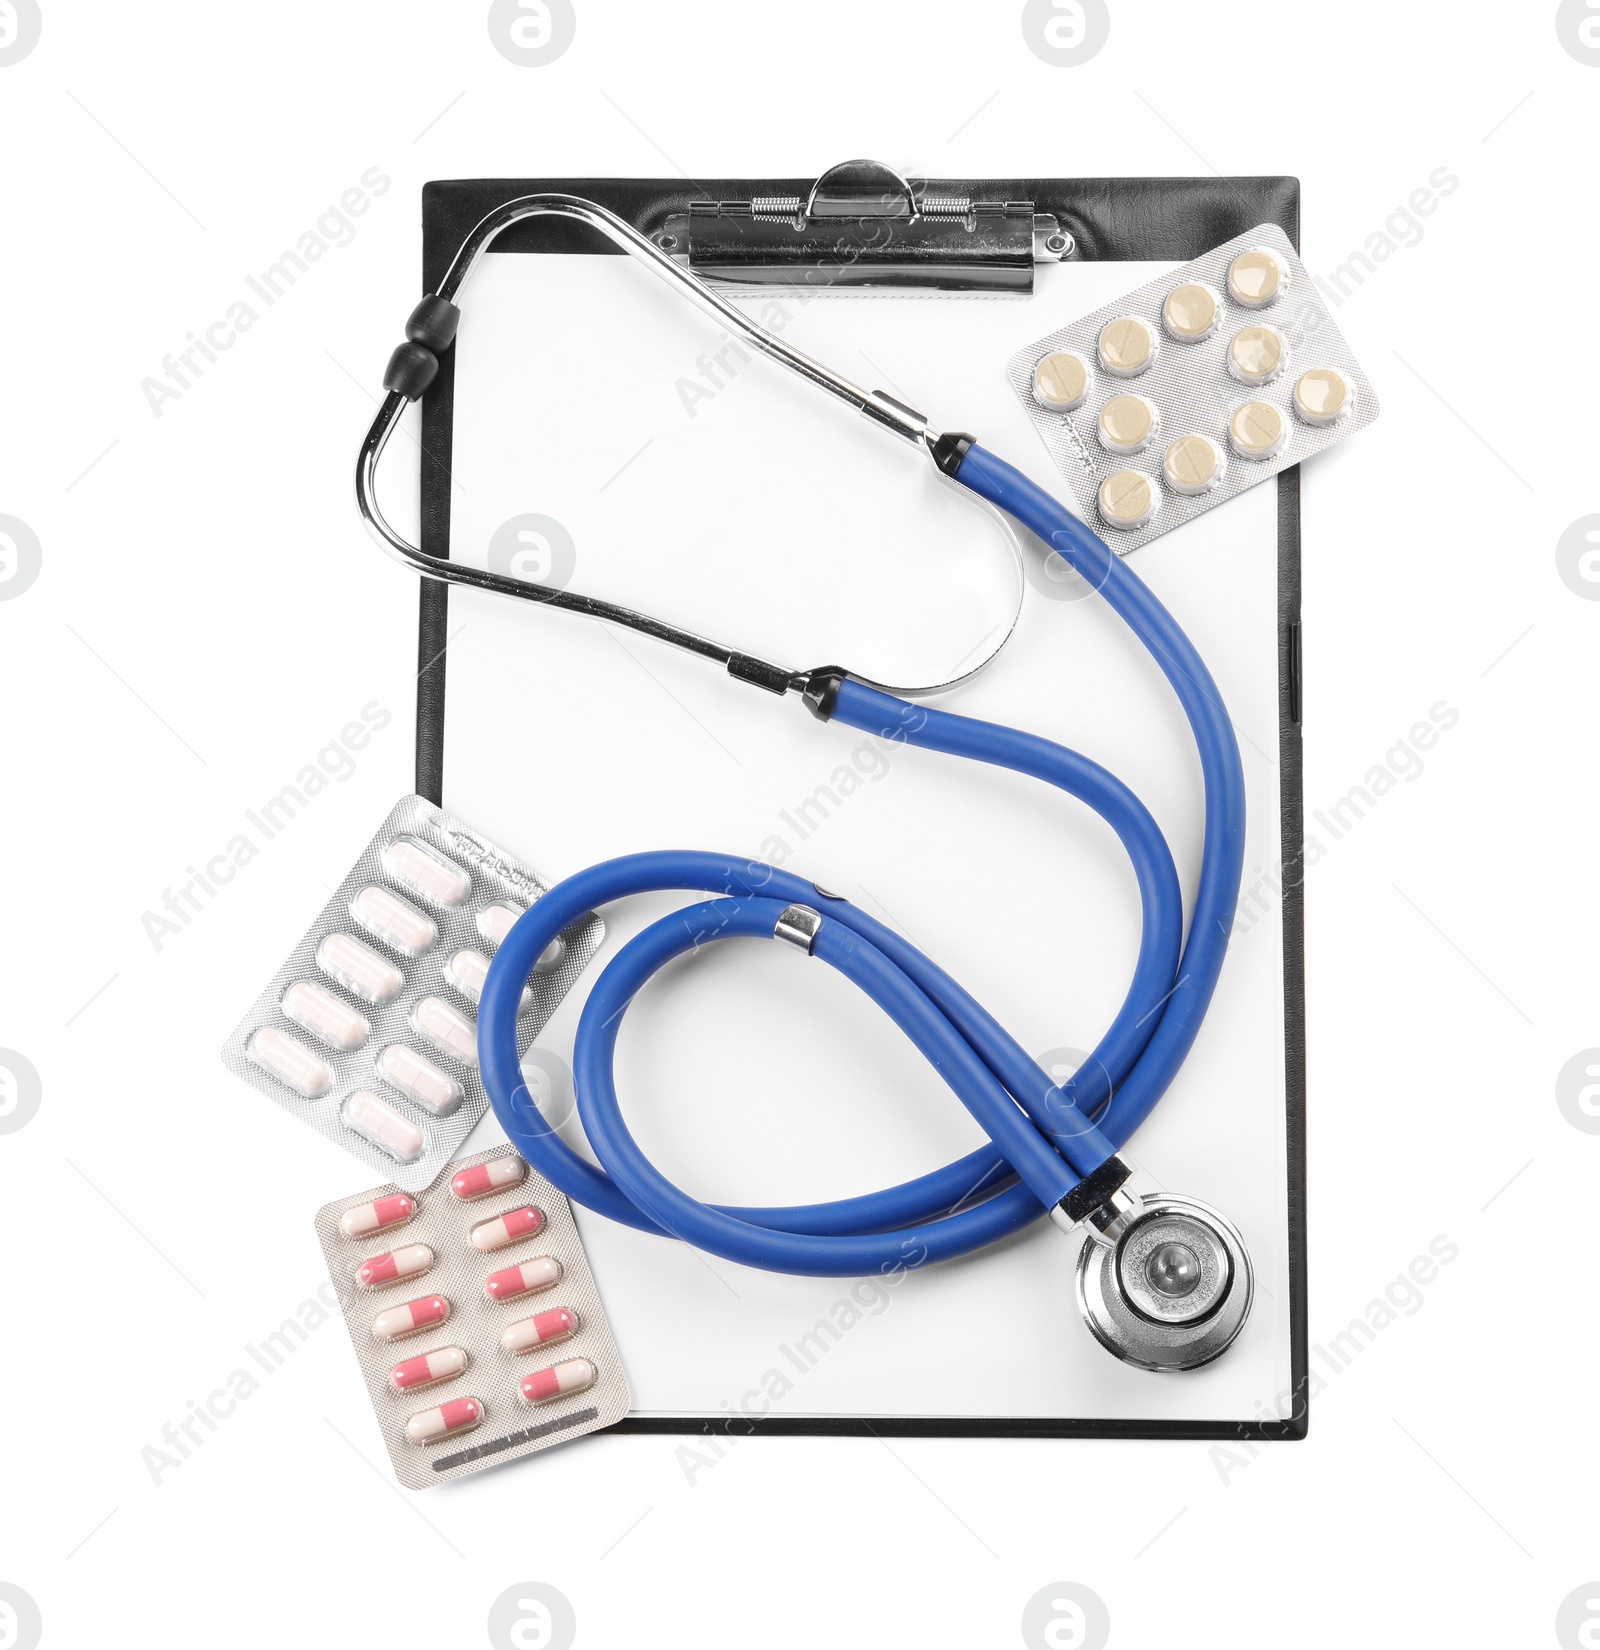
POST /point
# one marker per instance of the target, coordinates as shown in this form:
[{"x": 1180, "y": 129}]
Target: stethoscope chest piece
[{"x": 1172, "y": 1291}]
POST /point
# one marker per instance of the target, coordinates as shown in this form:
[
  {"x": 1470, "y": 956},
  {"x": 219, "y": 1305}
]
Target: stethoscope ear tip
[{"x": 1169, "y": 1287}]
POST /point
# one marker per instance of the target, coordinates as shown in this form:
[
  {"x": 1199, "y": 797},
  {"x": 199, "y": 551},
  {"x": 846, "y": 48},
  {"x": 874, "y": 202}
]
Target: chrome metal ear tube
[{"x": 431, "y": 332}]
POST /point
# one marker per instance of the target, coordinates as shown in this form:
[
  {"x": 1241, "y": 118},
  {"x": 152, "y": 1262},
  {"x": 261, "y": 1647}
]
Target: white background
[{"x": 209, "y": 614}]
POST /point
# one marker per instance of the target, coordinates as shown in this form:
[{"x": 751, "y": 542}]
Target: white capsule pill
[
  {"x": 419, "y": 1079},
  {"x": 393, "y": 920},
  {"x": 358, "y": 968},
  {"x": 1127, "y": 499},
  {"x": 323, "y": 1015},
  {"x": 561, "y": 1380},
  {"x": 291, "y": 1062},
  {"x": 1127, "y": 424},
  {"x": 467, "y": 970},
  {"x": 377, "y": 1121},
  {"x": 1192, "y": 465},
  {"x": 1257, "y": 278},
  {"x": 1061, "y": 381},
  {"x": 1126, "y": 346},
  {"x": 447, "y": 1028},
  {"x": 1256, "y": 355},
  {"x": 1191, "y": 312},
  {"x": 459, "y": 1415},
  {"x": 1322, "y": 396},
  {"x": 1257, "y": 430},
  {"x": 497, "y": 920},
  {"x": 426, "y": 871}
]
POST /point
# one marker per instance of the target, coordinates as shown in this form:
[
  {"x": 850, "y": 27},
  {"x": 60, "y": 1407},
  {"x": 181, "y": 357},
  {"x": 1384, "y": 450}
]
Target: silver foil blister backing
[
  {"x": 510, "y": 1428},
  {"x": 496, "y": 878},
  {"x": 1192, "y": 389}
]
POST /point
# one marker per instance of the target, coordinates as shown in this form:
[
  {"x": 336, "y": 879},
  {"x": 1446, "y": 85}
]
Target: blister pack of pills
[
  {"x": 475, "y": 1318},
  {"x": 369, "y": 1031},
  {"x": 1192, "y": 388}
]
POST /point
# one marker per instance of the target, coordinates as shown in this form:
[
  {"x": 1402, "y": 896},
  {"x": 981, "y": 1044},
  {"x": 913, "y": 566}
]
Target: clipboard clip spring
[{"x": 864, "y": 226}]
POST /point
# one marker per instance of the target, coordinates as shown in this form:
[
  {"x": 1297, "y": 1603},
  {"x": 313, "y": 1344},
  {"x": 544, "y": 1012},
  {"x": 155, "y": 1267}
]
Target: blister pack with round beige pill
[
  {"x": 1193, "y": 387},
  {"x": 369, "y": 1031}
]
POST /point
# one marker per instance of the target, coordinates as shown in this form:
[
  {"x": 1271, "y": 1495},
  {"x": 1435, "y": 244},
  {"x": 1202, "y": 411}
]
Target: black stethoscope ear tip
[{"x": 1171, "y": 1290}]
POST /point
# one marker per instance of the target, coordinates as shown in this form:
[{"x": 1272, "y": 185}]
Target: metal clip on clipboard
[{"x": 865, "y": 226}]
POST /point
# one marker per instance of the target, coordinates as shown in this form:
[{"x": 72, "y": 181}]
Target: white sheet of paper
[{"x": 759, "y": 512}]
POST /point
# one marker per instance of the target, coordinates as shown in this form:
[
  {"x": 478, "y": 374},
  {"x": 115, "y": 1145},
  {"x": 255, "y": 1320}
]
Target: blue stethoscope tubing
[{"x": 1044, "y": 1137}]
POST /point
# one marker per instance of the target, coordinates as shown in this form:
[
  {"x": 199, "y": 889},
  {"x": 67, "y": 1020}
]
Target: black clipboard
[{"x": 1115, "y": 219}]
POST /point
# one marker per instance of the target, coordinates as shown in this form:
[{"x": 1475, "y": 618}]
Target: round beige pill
[
  {"x": 1257, "y": 430},
  {"x": 1257, "y": 278},
  {"x": 1191, "y": 312},
  {"x": 1127, "y": 499},
  {"x": 1127, "y": 424},
  {"x": 1192, "y": 465},
  {"x": 1127, "y": 346},
  {"x": 1322, "y": 396},
  {"x": 1256, "y": 355},
  {"x": 1061, "y": 381}
]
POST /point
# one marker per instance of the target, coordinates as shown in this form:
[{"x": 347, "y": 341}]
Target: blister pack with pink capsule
[
  {"x": 474, "y": 1317},
  {"x": 369, "y": 1031}
]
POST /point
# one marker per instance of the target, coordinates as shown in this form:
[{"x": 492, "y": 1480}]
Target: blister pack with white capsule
[
  {"x": 474, "y": 1317},
  {"x": 1192, "y": 388},
  {"x": 369, "y": 1031}
]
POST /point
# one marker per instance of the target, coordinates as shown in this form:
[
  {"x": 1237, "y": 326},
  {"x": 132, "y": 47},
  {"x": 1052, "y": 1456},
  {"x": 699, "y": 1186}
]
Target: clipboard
[{"x": 1104, "y": 220}]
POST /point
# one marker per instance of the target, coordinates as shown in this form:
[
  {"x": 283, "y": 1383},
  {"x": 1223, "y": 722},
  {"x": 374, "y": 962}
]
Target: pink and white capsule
[
  {"x": 513, "y": 1225},
  {"x": 426, "y": 871},
  {"x": 409, "y": 1261},
  {"x": 322, "y": 1014},
  {"x": 447, "y": 1028},
  {"x": 437, "y": 1092},
  {"x": 394, "y": 920},
  {"x": 291, "y": 1062},
  {"x": 377, "y": 1121},
  {"x": 428, "y": 1370},
  {"x": 459, "y": 1415},
  {"x": 397, "y": 1322},
  {"x": 467, "y": 970},
  {"x": 378, "y": 1215},
  {"x": 358, "y": 968},
  {"x": 561, "y": 1380},
  {"x": 558, "y": 1324},
  {"x": 494, "y": 1176},
  {"x": 526, "y": 1279}
]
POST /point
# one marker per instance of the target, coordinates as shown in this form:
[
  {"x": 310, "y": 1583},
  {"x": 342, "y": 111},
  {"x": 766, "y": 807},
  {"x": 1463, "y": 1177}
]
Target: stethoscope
[{"x": 1163, "y": 1281}]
